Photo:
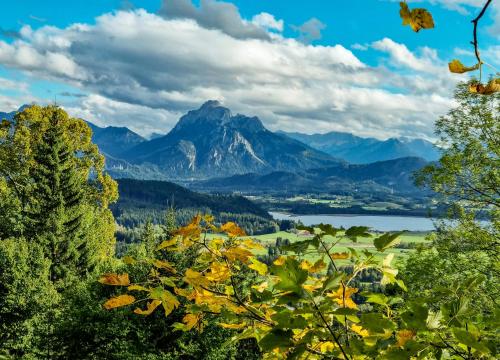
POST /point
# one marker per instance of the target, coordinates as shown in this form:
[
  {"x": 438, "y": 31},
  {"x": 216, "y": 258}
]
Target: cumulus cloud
[
  {"x": 310, "y": 30},
  {"x": 143, "y": 70},
  {"x": 268, "y": 21},
  {"x": 106, "y": 112},
  {"x": 213, "y": 14}
]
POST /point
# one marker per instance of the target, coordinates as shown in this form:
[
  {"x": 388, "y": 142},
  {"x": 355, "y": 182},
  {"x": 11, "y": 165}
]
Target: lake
[{"x": 375, "y": 222}]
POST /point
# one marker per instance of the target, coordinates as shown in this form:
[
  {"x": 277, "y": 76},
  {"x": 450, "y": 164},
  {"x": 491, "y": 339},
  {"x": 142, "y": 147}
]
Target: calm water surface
[{"x": 376, "y": 222}]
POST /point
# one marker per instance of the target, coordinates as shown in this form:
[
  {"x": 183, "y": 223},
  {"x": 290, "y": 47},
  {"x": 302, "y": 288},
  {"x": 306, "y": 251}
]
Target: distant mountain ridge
[
  {"x": 359, "y": 150},
  {"x": 114, "y": 141},
  {"x": 391, "y": 176},
  {"x": 211, "y": 141}
]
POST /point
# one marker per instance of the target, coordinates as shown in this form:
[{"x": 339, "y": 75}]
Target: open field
[{"x": 343, "y": 246}]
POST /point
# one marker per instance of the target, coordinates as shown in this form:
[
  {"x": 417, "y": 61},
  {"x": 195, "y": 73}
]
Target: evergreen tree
[{"x": 55, "y": 217}]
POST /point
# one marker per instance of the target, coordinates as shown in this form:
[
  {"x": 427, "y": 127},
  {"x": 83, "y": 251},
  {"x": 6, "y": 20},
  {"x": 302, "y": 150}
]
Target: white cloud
[
  {"x": 268, "y": 22},
  {"x": 144, "y": 70},
  {"x": 360, "y": 47},
  {"x": 106, "y": 112}
]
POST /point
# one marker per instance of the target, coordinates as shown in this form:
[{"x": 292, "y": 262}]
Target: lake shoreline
[{"x": 382, "y": 223}]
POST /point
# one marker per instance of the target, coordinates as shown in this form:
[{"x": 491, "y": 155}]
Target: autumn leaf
[
  {"x": 238, "y": 253},
  {"x": 340, "y": 256},
  {"x": 191, "y": 320},
  {"x": 137, "y": 287},
  {"x": 457, "y": 67},
  {"x": 260, "y": 288},
  {"x": 327, "y": 346},
  {"x": 151, "y": 306},
  {"x": 492, "y": 87},
  {"x": 403, "y": 336},
  {"x": 164, "y": 265},
  {"x": 359, "y": 330},
  {"x": 232, "y": 230},
  {"x": 167, "y": 243},
  {"x": 417, "y": 18},
  {"x": 233, "y": 326},
  {"x": 342, "y": 299},
  {"x": 258, "y": 266},
  {"x": 119, "y": 301},
  {"x": 218, "y": 272},
  {"x": 115, "y": 279}
]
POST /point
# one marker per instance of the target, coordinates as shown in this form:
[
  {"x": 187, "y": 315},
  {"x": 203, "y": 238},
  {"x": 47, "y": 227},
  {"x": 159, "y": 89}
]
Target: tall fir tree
[{"x": 55, "y": 217}]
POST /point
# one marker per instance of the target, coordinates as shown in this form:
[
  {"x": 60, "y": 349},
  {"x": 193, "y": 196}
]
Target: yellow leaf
[
  {"x": 492, "y": 87},
  {"x": 260, "y": 288},
  {"x": 258, "y": 266},
  {"x": 151, "y": 306},
  {"x": 326, "y": 347},
  {"x": 344, "y": 299},
  {"x": 115, "y": 279},
  {"x": 233, "y": 326},
  {"x": 218, "y": 272},
  {"x": 195, "y": 278},
  {"x": 164, "y": 265},
  {"x": 417, "y": 18},
  {"x": 232, "y": 230},
  {"x": 279, "y": 261},
  {"x": 359, "y": 330},
  {"x": 340, "y": 256},
  {"x": 403, "y": 336},
  {"x": 238, "y": 253},
  {"x": 137, "y": 287},
  {"x": 311, "y": 287},
  {"x": 119, "y": 301},
  {"x": 167, "y": 243},
  {"x": 250, "y": 244},
  {"x": 457, "y": 67},
  {"x": 191, "y": 320},
  {"x": 128, "y": 260}
]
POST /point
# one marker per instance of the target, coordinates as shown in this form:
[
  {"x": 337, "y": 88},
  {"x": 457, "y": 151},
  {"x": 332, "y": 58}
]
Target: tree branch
[{"x": 474, "y": 32}]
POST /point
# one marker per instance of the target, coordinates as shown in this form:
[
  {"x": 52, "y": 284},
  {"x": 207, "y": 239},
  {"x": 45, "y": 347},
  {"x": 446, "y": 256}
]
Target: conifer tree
[{"x": 55, "y": 217}]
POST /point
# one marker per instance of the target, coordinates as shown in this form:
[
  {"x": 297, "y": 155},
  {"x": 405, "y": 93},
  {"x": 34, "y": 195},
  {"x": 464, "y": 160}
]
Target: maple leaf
[
  {"x": 492, "y": 87},
  {"x": 457, "y": 67},
  {"x": 403, "y": 336},
  {"x": 119, "y": 301},
  {"x": 258, "y": 266},
  {"x": 359, "y": 330},
  {"x": 417, "y": 18},
  {"x": 115, "y": 279},
  {"x": 232, "y": 230},
  {"x": 151, "y": 306},
  {"x": 339, "y": 297}
]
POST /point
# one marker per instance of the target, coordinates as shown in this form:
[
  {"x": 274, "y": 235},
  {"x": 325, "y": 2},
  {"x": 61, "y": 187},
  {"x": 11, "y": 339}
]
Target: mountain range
[
  {"x": 378, "y": 177},
  {"x": 211, "y": 148},
  {"x": 211, "y": 141},
  {"x": 359, "y": 150}
]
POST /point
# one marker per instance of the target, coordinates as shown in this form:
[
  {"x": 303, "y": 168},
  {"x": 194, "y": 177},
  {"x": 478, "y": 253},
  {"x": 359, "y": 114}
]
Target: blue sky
[{"x": 347, "y": 64}]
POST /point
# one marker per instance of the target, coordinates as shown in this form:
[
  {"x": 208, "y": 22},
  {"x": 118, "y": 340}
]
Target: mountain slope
[
  {"x": 358, "y": 150},
  {"x": 162, "y": 194},
  {"x": 10, "y": 115},
  {"x": 114, "y": 141},
  {"x": 383, "y": 177},
  {"x": 212, "y": 142}
]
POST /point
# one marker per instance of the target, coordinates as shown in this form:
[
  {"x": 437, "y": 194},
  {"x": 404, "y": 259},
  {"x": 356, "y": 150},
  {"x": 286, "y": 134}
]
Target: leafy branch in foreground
[
  {"x": 295, "y": 308},
  {"x": 420, "y": 18}
]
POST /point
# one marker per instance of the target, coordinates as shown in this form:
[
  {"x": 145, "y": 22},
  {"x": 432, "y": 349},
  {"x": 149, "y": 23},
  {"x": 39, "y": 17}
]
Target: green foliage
[{"x": 27, "y": 299}]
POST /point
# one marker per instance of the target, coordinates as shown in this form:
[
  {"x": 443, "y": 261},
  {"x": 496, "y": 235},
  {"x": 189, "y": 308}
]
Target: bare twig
[{"x": 474, "y": 42}]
